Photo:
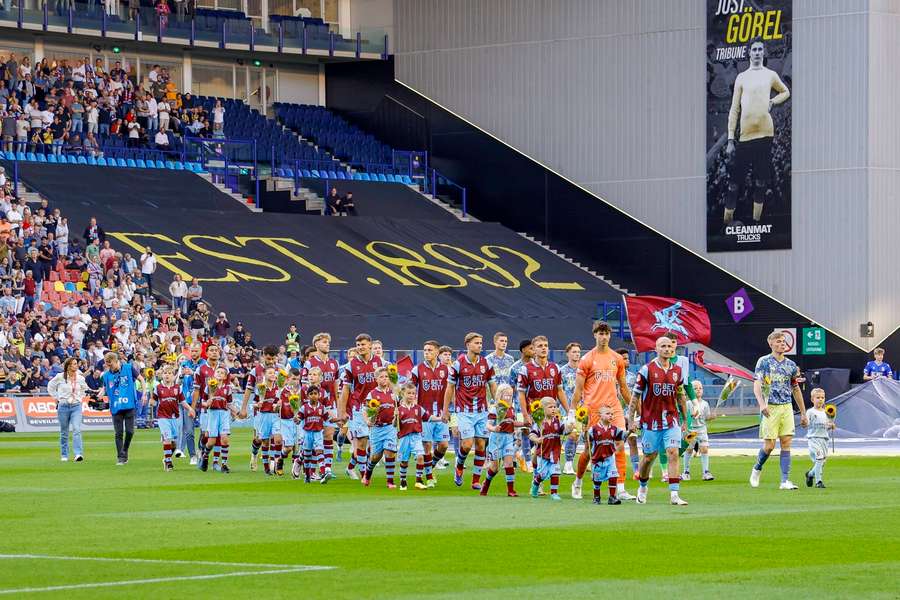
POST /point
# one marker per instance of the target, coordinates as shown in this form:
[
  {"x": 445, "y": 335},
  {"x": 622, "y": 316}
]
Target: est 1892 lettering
[{"x": 435, "y": 265}]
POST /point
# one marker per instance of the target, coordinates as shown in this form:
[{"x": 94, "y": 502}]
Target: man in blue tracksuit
[{"x": 120, "y": 390}]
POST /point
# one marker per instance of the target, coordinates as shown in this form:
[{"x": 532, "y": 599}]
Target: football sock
[
  {"x": 488, "y": 478},
  {"x": 674, "y": 484},
  {"x": 361, "y": 459},
  {"x": 597, "y": 485},
  {"x": 621, "y": 462},
  {"x": 635, "y": 461},
  {"x": 761, "y": 459},
  {"x": 461, "y": 461},
  {"x": 582, "y": 466},
  {"x": 818, "y": 468},
  {"x": 420, "y": 469},
  {"x": 255, "y": 445},
  {"x": 644, "y": 481},
  {"x": 403, "y": 467},
  {"x": 570, "y": 447},
  {"x": 389, "y": 469},
  {"x": 554, "y": 484},
  {"x": 704, "y": 462},
  {"x": 429, "y": 466},
  {"x": 168, "y": 448},
  {"x": 224, "y": 454},
  {"x": 478, "y": 466},
  {"x": 785, "y": 460},
  {"x": 613, "y": 483},
  {"x": 329, "y": 454},
  {"x": 510, "y": 479}
]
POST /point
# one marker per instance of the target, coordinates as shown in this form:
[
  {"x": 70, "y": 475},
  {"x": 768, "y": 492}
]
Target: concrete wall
[{"x": 611, "y": 94}]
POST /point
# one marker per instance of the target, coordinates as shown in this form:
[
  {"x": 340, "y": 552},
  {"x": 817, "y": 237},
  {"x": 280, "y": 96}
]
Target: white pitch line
[
  {"x": 77, "y": 586},
  {"x": 158, "y": 561}
]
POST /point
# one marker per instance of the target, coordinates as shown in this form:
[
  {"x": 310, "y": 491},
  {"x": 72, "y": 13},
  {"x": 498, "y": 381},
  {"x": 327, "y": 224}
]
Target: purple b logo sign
[{"x": 739, "y": 305}]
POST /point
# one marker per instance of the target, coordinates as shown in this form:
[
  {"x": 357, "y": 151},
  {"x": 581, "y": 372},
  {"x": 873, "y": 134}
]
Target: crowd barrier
[{"x": 35, "y": 414}]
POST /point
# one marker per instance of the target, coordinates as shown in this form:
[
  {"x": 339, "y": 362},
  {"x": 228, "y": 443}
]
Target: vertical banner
[{"x": 748, "y": 125}]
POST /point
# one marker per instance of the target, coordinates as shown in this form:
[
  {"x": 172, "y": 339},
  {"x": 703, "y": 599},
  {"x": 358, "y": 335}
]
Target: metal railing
[{"x": 232, "y": 32}]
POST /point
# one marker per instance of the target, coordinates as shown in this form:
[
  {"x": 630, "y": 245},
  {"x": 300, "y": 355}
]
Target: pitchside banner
[
  {"x": 38, "y": 413},
  {"x": 748, "y": 125}
]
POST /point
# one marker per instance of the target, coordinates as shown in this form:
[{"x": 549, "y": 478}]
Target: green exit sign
[{"x": 813, "y": 340}]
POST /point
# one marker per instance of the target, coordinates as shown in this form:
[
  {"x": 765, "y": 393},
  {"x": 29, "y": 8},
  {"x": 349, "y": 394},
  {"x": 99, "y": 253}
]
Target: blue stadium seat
[
  {"x": 51, "y": 158},
  {"x": 101, "y": 162},
  {"x": 198, "y": 168},
  {"x": 332, "y": 175},
  {"x": 82, "y": 160},
  {"x": 305, "y": 173},
  {"x": 140, "y": 163},
  {"x": 390, "y": 177},
  {"x": 160, "y": 165},
  {"x": 170, "y": 164},
  {"x": 20, "y": 156},
  {"x": 314, "y": 173},
  {"x": 10, "y": 155},
  {"x": 121, "y": 162},
  {"x": 92, "y": 161},
  {"x": 364, "y": 176},
  {"x": 30, "y": 156},
  {"x": 179, "y": 166},
  {"x": 41, "y": 158},
  {"x": 356, "y": 176},
  {"x": 289, "y": 173},
  {"x": 381, "y": 177},
  {"x": 130, "y": 163},
  {"x": 73, "y": 160},
  {"x": 405, "y": 179}
]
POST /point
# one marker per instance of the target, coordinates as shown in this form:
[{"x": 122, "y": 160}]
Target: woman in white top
[
  {"x": 62, "y": 237},
  {"x": 68, "y": 389}
]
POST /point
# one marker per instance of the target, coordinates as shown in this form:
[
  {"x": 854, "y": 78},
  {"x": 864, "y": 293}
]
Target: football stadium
[{"x": 449, "y": 299}]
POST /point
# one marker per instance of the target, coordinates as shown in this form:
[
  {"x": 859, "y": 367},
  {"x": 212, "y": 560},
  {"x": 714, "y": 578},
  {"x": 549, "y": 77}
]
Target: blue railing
[
  {"x": 227, "y": 29},
  {"x": 441, "y": 185},
  {"x": 614, "y": 314}
]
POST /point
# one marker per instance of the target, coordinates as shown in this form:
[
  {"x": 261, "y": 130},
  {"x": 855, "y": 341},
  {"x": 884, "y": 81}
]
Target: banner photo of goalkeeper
[{"x": 748, "y": 125}]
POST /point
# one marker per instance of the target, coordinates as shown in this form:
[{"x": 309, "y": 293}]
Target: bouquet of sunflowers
[
  {"x": 261, "y": 389},
  {"x": 282, "y": 377},
  {"x": 372, "y": 407},
  {"x": 294, "y": 399},
  {"x": 766, "y": 387},
  {"x": 581, "y": 419},
  {"x": 213, "y": 385},
  {"x": 831, "y": 411},
  {"x": 731, "y": 384},
  {"x": 687, "y": 441},
  {"x": 149, "y": 373},
  {"x": 503, "y": 408},
  {"x": 537, "y": 412},
  {"x": 392, "y": 374}
]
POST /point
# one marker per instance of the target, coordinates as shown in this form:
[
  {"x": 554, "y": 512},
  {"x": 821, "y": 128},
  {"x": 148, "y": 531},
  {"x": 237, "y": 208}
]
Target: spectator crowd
[
  {"x": 80, "y": 107},
  {"x": 67, "y": 295}
]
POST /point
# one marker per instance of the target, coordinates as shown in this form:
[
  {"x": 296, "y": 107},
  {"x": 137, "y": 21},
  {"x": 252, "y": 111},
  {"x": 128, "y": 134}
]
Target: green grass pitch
[{"x": 188, "y": 534}]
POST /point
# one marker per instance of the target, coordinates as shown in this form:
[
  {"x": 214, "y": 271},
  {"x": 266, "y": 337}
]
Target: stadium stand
[{"x": 362, "y": 277}]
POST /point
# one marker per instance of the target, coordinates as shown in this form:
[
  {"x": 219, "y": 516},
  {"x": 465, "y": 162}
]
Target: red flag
[
  {"x": 717, "y": 368},
  {"x": 405, "y": 366},
  {"x": 651, "y": 317}
]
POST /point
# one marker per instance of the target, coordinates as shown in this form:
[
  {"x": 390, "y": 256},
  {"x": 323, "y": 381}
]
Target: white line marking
[
  {"x": 268, "y": 570},
  {"x": 154, "y": 560}
]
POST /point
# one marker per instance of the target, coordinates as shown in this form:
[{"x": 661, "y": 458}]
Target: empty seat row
[
  {"x": 314, "y": 174},
  {"x": 70, "y": 159}
]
